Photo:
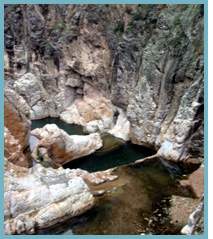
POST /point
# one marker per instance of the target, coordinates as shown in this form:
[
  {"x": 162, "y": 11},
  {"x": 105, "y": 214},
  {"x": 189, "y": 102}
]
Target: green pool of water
[
  {"x": 69, "y": 128},
  {"x": 114, "y": 153},
  {"x": 125, "y": 154},
  {"x": 138, "y": 204}
]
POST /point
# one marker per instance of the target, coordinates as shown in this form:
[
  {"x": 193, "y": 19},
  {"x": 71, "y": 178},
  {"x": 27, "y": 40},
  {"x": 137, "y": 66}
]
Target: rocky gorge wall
[
  {"x": 38, "y": 197},
  {"x": 89, "y": 64}
]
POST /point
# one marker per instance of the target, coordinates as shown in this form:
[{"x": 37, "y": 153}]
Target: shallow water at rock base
[{"x": 138, "y": 202}]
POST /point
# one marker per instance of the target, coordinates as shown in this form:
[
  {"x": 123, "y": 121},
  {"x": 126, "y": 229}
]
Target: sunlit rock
[
  {"x": 43, "y": 197},
  {"x": 59, "y": 148}
]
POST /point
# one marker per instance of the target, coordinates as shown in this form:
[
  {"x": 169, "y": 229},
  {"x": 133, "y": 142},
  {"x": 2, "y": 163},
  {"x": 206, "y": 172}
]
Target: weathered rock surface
[
  {"x": 195, "y": 181},
  {"x": 145, "y": 59},
  {"x": 31, "y": 89},
  {"x": 167, "y": 113},
  {"x": 122, "y": 127},
  {"x": 187, "y": 211},
  {"x": 57, "y": 147},
  {"x": 16, "y": 129},
  {"x": 43, "y": 197},
  {"x": 42, "y": 101},
  {"x": 93, "y": 111},
  {"x": 38, "y": 197},
  {"x": 194, "y": 219},
  {"x": 83, "y": 63}
]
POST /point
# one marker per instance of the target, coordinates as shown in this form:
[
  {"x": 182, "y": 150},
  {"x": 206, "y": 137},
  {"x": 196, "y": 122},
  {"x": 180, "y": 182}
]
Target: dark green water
[
  {"x": 139, "y": 202},
  {"x": 114, "y": 152},
  {"x": 125, "y": 154},
  {"x": 69, "y": 128}
]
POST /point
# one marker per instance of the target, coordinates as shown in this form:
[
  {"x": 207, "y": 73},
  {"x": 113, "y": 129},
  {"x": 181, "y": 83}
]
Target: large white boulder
[
  {"x": 43, "y": 197},
  {"x": 57, "y": 146}
]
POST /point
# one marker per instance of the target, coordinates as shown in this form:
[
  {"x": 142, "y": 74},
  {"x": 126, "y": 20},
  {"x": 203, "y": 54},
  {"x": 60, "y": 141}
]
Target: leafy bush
[{"x": 119, "y": 28}]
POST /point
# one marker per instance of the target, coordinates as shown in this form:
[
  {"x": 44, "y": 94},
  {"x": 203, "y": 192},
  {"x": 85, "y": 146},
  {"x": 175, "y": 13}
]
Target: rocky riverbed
[{"x": 115, "y": 75}]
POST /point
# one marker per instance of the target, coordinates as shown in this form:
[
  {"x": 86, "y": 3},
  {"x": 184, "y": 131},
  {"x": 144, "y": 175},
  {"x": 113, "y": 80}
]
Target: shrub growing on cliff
[{"x": 119, "y": 28}]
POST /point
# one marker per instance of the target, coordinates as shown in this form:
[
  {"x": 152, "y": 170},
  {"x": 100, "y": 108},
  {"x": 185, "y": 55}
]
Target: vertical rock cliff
[
  {"x": 146, "y": 59},
  {"x": 135, "y": 71}
]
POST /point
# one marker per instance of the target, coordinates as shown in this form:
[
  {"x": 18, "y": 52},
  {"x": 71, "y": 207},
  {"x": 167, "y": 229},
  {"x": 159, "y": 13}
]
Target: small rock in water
[{"x": 98, "y": 193}]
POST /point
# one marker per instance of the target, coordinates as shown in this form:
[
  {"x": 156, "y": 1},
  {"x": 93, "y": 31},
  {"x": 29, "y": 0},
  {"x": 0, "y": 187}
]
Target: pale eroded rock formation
[
  {"x": 89, "y": 59},
  {"x": 122, "y": 127},
  {"x": 93, "y": 111},
  {"x": 59, "y": 148},
  {"x": 107, "y": 67},
  {"x": 194, "y": 219},
  {"x": 41, "y": 198},
  {"x": 36, "y": 197}
]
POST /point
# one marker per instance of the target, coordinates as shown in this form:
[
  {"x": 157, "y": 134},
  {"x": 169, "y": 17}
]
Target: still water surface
[{"x": 137, "y": 203}]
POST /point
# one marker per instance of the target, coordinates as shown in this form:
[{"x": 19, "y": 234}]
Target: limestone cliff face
[{"x": 146, "y": 59}]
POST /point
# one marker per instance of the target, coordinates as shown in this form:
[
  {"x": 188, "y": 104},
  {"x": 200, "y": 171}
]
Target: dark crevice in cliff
[
  {"x": 127, "y": 75},
  {"x": 142, "y": 57}
]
